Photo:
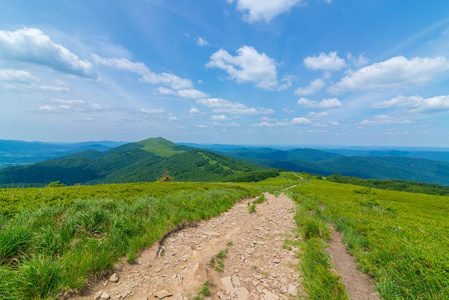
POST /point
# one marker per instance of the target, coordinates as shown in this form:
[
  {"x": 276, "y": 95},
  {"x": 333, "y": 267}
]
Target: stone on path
[
  {"x": 235, "y": 280},
  {"x": 211, "y": 233},
  {"x": 292, "y": 290},
  {"x": 227, "y": 282},
  {"x": 163, "y": 294},
  {"x": 114, "y": 278},
  {"x": 242, "y": 293},
  {"x": 269, "y": 295}
]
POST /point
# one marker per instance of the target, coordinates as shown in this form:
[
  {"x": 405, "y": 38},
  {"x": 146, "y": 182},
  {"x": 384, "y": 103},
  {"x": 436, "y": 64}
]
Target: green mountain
[
  {"x": 146, "y": 160},
  {"x": 327, "y": 163}
]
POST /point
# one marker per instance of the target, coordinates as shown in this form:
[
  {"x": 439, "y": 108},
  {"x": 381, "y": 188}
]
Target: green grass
[
  {"x": 46, "y": 250},
  {"x": 54, "y": 239},
  {"x": 217, "y": 261},
  {"x": 398, "y": 238},
  {"x": 315, "y": 264}
]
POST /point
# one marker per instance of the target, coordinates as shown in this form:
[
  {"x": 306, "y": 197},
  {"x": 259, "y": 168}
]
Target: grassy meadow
[
  {"x": 401, "y": 239},
  {"x": 54, "y": 239}
]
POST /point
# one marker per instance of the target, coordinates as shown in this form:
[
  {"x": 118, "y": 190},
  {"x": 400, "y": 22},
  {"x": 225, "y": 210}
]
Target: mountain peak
[{"x": 160, "y": 147}]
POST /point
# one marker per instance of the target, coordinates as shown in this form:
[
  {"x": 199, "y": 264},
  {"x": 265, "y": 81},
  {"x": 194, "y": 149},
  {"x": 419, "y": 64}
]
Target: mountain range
[
  {"x": 147, "y": 160},
  {"x": 150, "y": 159}
]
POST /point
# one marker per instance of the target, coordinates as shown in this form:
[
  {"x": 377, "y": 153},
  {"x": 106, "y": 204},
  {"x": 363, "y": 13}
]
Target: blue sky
[{"x": 292, "y": 72}]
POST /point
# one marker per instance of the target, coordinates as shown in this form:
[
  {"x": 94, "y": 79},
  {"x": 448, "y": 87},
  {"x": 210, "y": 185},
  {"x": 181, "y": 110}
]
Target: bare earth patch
[
  {"x": 358, "y": 285},
  {"x": 256, "y": 266}
]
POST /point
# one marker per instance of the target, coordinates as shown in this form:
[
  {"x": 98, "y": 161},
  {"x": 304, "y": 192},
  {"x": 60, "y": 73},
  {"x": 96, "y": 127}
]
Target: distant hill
[
  {"x": 146, "y": 160},
  {"x": 432, "y": 155},
  {"x": 20, "y": 153},
  {"x": 368, "y": 167}
]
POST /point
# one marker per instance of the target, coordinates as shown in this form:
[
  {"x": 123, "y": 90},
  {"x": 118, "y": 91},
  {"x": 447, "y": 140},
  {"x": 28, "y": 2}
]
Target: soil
[{"x": 359, "y": 286}]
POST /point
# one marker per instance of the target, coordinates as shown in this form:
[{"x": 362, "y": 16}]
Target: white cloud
[
  {"x": 384, "y": 120},
  {"x": 71, "y": 105},
  {"x": 16, "y": 76},
  {"x": 326, "y": 62},
  {"x": 395, "y": 73},
  {"x": 31, "y": 45},
  {"x": 416, "y": 103},
  {"x": 358, "y": 61},
  {"x": 220, "y": 118},
  {"x": 146, "y": 75},
  {"x": 335, "y": 123},
  {"x": 192, "y": 94},
  {"x": 201, "y": 126},
  {"x": 313, "y": 87},
  {"x": 230, "y": 124},
  {"x": 248, "y": 66},
  {"x": 193, "y": 111},
  {"x": 153, "y": 111},
  {"x": 269, "y": 122},
  {"x": 227, "y": 107},
  {"x": 202, "y": 42},
  {"x": 325, "y": 103},
  {"x": 257, "y": 10},
  {"x": 301, "y": 121},
  {"x": 317, "y": 115}
]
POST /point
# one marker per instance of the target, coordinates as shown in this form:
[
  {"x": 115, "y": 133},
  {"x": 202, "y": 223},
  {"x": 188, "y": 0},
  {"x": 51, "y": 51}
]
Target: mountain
[
  {"x": 146, "y": 160},
  {"x": 432, "y": 155},
  {"x": 384, "y": 166},
  {"x": 21, "y": 153}
]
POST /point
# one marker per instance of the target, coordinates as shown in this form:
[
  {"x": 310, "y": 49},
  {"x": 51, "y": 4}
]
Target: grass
[
  {"x": 398, "y": 238},
  {"x": 315, "y": 264},
  {"x": 217, "y": 261},
  {"x": 252, "y": 205},
  {"x": 54, "y": 239},
  {"x": 48, "y": 250}
]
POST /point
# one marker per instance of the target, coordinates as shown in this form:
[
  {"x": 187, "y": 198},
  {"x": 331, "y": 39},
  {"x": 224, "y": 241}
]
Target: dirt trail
[
  {"x": 257, "y": 266},
  {"x": 358, "y": 285}
]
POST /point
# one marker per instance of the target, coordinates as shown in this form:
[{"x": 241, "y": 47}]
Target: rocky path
[{"x": 255, "y": 265}]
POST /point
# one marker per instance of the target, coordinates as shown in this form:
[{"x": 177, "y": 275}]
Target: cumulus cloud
[
  {"x": 194, "y": 111},
  {"x": 416, "y": 103},
  {"x": 70, "y": 106},
  {"x": 317, "y": 115},
  {"x": 202, "y": 42},
  {"x": 301, "y": 121},
  {"x": 223, "y": 106},
  {"x": 384, "y": 120},
  {"x": 144, "y": 72},
  {"x": 267, "y": 10},
  {"x": 325, "y": 103},
  {"x": 313, "y": 87},
  {"x": 157, "y": 113},
  {"x": 230, "y": 124},
  {"x": 249, "y": 66},
  {"x": 358, "y": 61},
  {"x": 31, "y": 45},
  {"x": 326, "y": 62},
  {"x": 395, "y": 73},
  {"x": 220, "y": 118},
  {"x": 9, "y": 75},
  {"x": 269, "y": 122},
  {"x": 185, "y": 93}
]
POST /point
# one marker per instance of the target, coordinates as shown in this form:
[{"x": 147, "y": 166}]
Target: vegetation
[
  {"x": 405, "y": 165},
  {"x": 320, "y": 282},
  {"x": 46, "y": 249},
  {"x": 204, "y": 290},
  {"x": 252, "y": 205},
  {"x": 217, "y": 261},
  {"x": 395, "y": 185},
  {"x": 134, "y": 162},
  {"x": 396, "y": 237}
]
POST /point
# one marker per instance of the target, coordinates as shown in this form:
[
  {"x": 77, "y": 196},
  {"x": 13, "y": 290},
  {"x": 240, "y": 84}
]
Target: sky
[{"x": 252, "y": 72}]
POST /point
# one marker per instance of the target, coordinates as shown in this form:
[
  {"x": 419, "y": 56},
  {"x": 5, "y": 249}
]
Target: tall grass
[
  {"x": 399, "y": 238},
  {"x": 46, "y": 251}
]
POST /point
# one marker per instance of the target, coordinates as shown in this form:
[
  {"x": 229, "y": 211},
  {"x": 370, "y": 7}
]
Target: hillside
[
  {"x": 146, "y": 160},
  {"x": 367, "y": 167}
]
